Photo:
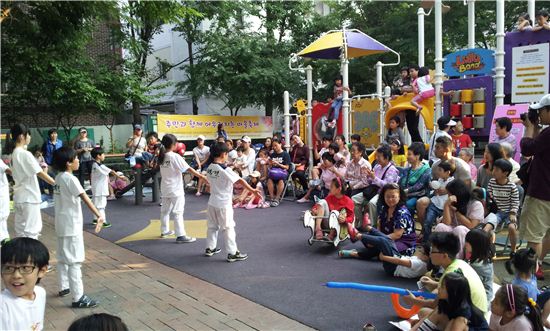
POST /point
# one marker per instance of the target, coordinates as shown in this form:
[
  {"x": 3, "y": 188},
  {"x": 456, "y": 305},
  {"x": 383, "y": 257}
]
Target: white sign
[{"x": 530, "y": 72}]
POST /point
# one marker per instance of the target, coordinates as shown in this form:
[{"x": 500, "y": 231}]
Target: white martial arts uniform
[
  {"x": 69, "y": 228},
  {"x": 173, "y": 195},
  {"x": 26, "y": 193},
  {"x": 220, "y": 207},
  {"x": 100, "y": 187},
  {"x": 4, "y": 201}
]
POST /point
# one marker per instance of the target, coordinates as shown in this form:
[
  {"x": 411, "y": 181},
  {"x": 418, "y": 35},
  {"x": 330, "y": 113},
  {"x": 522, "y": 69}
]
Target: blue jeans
[
  {"x": 432, "y": 213},
  {"x": 337, "y": 105},
  {"x": 380, "y": 242},
  {"x": 411, "y": 205}
]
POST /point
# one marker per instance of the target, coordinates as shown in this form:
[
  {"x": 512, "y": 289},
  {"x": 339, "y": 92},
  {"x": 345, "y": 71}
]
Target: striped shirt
[{"x": 505, "y": 196}]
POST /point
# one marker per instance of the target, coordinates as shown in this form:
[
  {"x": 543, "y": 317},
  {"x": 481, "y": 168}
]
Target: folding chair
[{"x": 289, "y": 183}]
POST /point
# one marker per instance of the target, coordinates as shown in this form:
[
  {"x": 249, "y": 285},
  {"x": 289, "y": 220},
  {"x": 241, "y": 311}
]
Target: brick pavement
[{"x": 148, "y": 295}]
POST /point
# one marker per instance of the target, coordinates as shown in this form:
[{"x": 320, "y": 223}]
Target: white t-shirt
[
  {"x": 232, "y": 156},
  {"x": 431, "y": 152},
  {"x": 4, "y": 191},
  {"x": 138, "y": 145},
  {"x": 201, "y": 153},
  {"x": 100, "y": 180},
  {"x": 439, "y": 200},
  {"x": 68, "y": 211},
  {"x": 221, "y": 185},
  {"x": 21, "y": 314},
  {"x": 171, "y": 170},
  {"x": 24, "y": 170},
  {"x": 250, "y": 159},
  {"x": 417, "y": 269}
]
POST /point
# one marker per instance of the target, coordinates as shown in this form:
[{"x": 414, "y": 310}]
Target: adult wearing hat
[
  {"x": 136, "y": 143},
  {"x": 249, "y": 155},
  {"x": 536, "y": 208},
  {"x": 444, "y": 124},
  {"x": 83, "y": 146}
]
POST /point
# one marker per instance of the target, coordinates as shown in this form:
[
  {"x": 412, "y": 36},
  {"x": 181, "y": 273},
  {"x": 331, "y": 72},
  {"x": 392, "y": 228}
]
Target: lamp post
[
  {"x": 499, "y": 55},
  {"x": 471, "y": 24},
  {"x": 438, "y": 57}
]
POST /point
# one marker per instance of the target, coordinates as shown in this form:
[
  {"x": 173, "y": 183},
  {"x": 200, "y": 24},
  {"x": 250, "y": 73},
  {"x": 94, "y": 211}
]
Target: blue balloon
[{"x": 379, "y": 288}]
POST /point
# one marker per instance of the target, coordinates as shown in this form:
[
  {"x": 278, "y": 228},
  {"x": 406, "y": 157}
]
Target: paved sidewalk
[{"x": 148, "y": 295}]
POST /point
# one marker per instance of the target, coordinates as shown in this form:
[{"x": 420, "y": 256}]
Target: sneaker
[
  {"x": 238, "y": 256},
  {"x": 106, "y": 225},
  {"x": 85, "y": 302},
  {"x": 167, "y": 234},
  {"x": 303, "y": 200},
  {"x": 64, "y": 293},
  {"x": 185, "y": 239},
  {"x": 198, "y": 194},
  {"x": 94, "y": 221},
  {"x": 211, "y": 252}
]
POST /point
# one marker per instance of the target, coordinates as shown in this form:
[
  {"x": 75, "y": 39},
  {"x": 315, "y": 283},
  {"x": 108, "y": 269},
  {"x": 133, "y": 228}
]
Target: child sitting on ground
[
  {"x": 398, "y": 265},
  {"x": 117, "y": 183},
  {"x": 398, "y": 153},
  {"x": 467, "y": 155},
  {"x": 339, "y": 202},
  {"x": 248, "y": 199},
  {"x": 478, "y": 252},
  {"x": 22, "y": 302},
  {"x": 262, "y": 165},
  {"x": 513, "y": 310},
  {"x": 444, "y": 172},
  {"x": 422, "y": 86},
  {"x": 522, "y": 264},
  {"x": 506, "y": 199}
]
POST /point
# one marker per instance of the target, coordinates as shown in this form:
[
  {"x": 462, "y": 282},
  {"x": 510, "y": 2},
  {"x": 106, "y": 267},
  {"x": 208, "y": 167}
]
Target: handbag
[
  {"x": 372, "y": 190},
  {"x": 277, "y": 174}
]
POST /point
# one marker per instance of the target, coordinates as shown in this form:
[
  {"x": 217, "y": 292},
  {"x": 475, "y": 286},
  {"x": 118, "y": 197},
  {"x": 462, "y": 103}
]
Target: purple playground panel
[
  {"x": 516, "y": 39},
  {"x": 473, "y": 83}
]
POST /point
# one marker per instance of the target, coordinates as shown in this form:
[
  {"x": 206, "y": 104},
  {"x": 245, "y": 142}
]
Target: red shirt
[
  {"x": 462, "y": 141},
  {"x": 335, "y": 203}
]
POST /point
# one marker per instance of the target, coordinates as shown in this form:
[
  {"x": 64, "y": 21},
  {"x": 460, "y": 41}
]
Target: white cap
[
  {"x": 201, "y": 137},
  {"x": 544, "y": 102},
  {"x": 451, "y": 123},
  {"x": 255, "y": 173},
  {"x": 246, "y": 139}
]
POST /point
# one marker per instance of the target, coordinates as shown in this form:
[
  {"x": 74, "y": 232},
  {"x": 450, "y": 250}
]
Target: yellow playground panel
[
  {"x": 365, "y": 120},
  {"x": 403, "y": 103}
]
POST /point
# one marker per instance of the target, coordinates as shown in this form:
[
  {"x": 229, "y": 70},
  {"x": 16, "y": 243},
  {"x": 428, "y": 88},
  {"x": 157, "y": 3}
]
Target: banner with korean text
[{"x": 188, "y": 127}]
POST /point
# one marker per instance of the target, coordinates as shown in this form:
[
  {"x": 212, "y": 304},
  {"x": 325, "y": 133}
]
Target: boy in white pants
[
  {"x": 4, "y": 200},
  {"x": 220, "y": 204},
  {"x": 172, "y": 166},
  {"x": 69, "y": 227},
  {"x": 100, "y": 183}
]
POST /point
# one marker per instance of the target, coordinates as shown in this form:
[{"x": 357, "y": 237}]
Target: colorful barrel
[
  {"x": 456, "y": 110},
  {"x": 479, "y": 122},
  {"x": 466, "y": 95},
  {"x": 479, "y": 108},
  {"x": 479, "y": 95},
  {"x": 466, "y": 109},
  {"x": 456, "y": 96},
  {"x": 467, "y": 122}
]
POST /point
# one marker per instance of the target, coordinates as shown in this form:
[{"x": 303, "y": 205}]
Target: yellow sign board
[
  {"x": 188, "y": 127},
  {"x": 366, "y": 120}
]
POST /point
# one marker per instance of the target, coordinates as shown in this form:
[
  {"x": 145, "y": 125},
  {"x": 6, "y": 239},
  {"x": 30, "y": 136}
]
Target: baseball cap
[
  {"x": 201, "y": 137},
  {"x": 82, "y": 130},
  {"x": 544, "y": 102},
  {"x": 246, "y": 139},
  {"x": 137, "y": 127},
  {"x": 445, "y": 121},
  {"x": 255, "y": 173}
]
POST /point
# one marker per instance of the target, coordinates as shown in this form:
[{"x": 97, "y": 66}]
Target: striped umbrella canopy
[{"x": 354, "y": 43}]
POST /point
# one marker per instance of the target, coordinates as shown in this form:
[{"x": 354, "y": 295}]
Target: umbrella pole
[
  {"x": 309, "y": 79},
  {"x": 345, "y": 99},
  {"x": 380, "y": 98}
]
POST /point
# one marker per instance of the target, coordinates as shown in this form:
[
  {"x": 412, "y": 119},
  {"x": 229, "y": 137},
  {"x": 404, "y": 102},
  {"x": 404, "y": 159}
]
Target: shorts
[
  {"x": 535, "y": 220},
  {"x": 424, "y": 95},
  {"x": 498, "y": 218}
]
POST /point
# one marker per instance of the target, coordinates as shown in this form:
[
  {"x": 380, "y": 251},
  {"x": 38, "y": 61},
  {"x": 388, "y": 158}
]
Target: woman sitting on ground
[
  {"x": 395, "y": 222},
  {"x": 330, "y": 170},
  {"x": 415, "y": 179},
  {"x": 339, "y": 202}
]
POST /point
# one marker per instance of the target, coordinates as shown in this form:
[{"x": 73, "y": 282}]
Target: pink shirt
[
  {"x": 518, "y": 323},
  {"x": 327, "y": 176},
  {"x": 473, "y": 171}
]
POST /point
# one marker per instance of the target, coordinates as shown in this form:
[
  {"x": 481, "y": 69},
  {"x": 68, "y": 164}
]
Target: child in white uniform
[
  {"x": 220, "y": 207},
  {"x": 100, "y": 183},
  {"x": 172, "y": 166},
  {"x": 22, "y": 303},
  {"x": 26, "y": 191},
  {"x": 69, "y": 226},
  {"x": 4, "y": 200}
]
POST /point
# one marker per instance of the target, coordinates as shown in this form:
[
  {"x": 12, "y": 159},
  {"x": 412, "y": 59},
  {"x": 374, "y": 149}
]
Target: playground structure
[{"x": 478, "y": 81}]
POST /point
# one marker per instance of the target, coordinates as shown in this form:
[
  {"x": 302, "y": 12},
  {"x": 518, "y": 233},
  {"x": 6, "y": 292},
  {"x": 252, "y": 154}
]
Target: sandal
[
  {"x": 347, "y": 253},
  {"x": 274, "y": 203}
]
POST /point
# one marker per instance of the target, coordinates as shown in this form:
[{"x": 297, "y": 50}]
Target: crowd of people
[{"x": 377, "y": 204}]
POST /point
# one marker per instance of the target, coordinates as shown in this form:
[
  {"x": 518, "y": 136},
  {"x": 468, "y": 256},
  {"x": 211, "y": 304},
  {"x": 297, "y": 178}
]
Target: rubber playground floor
[{"x": 283, "y": 272}]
